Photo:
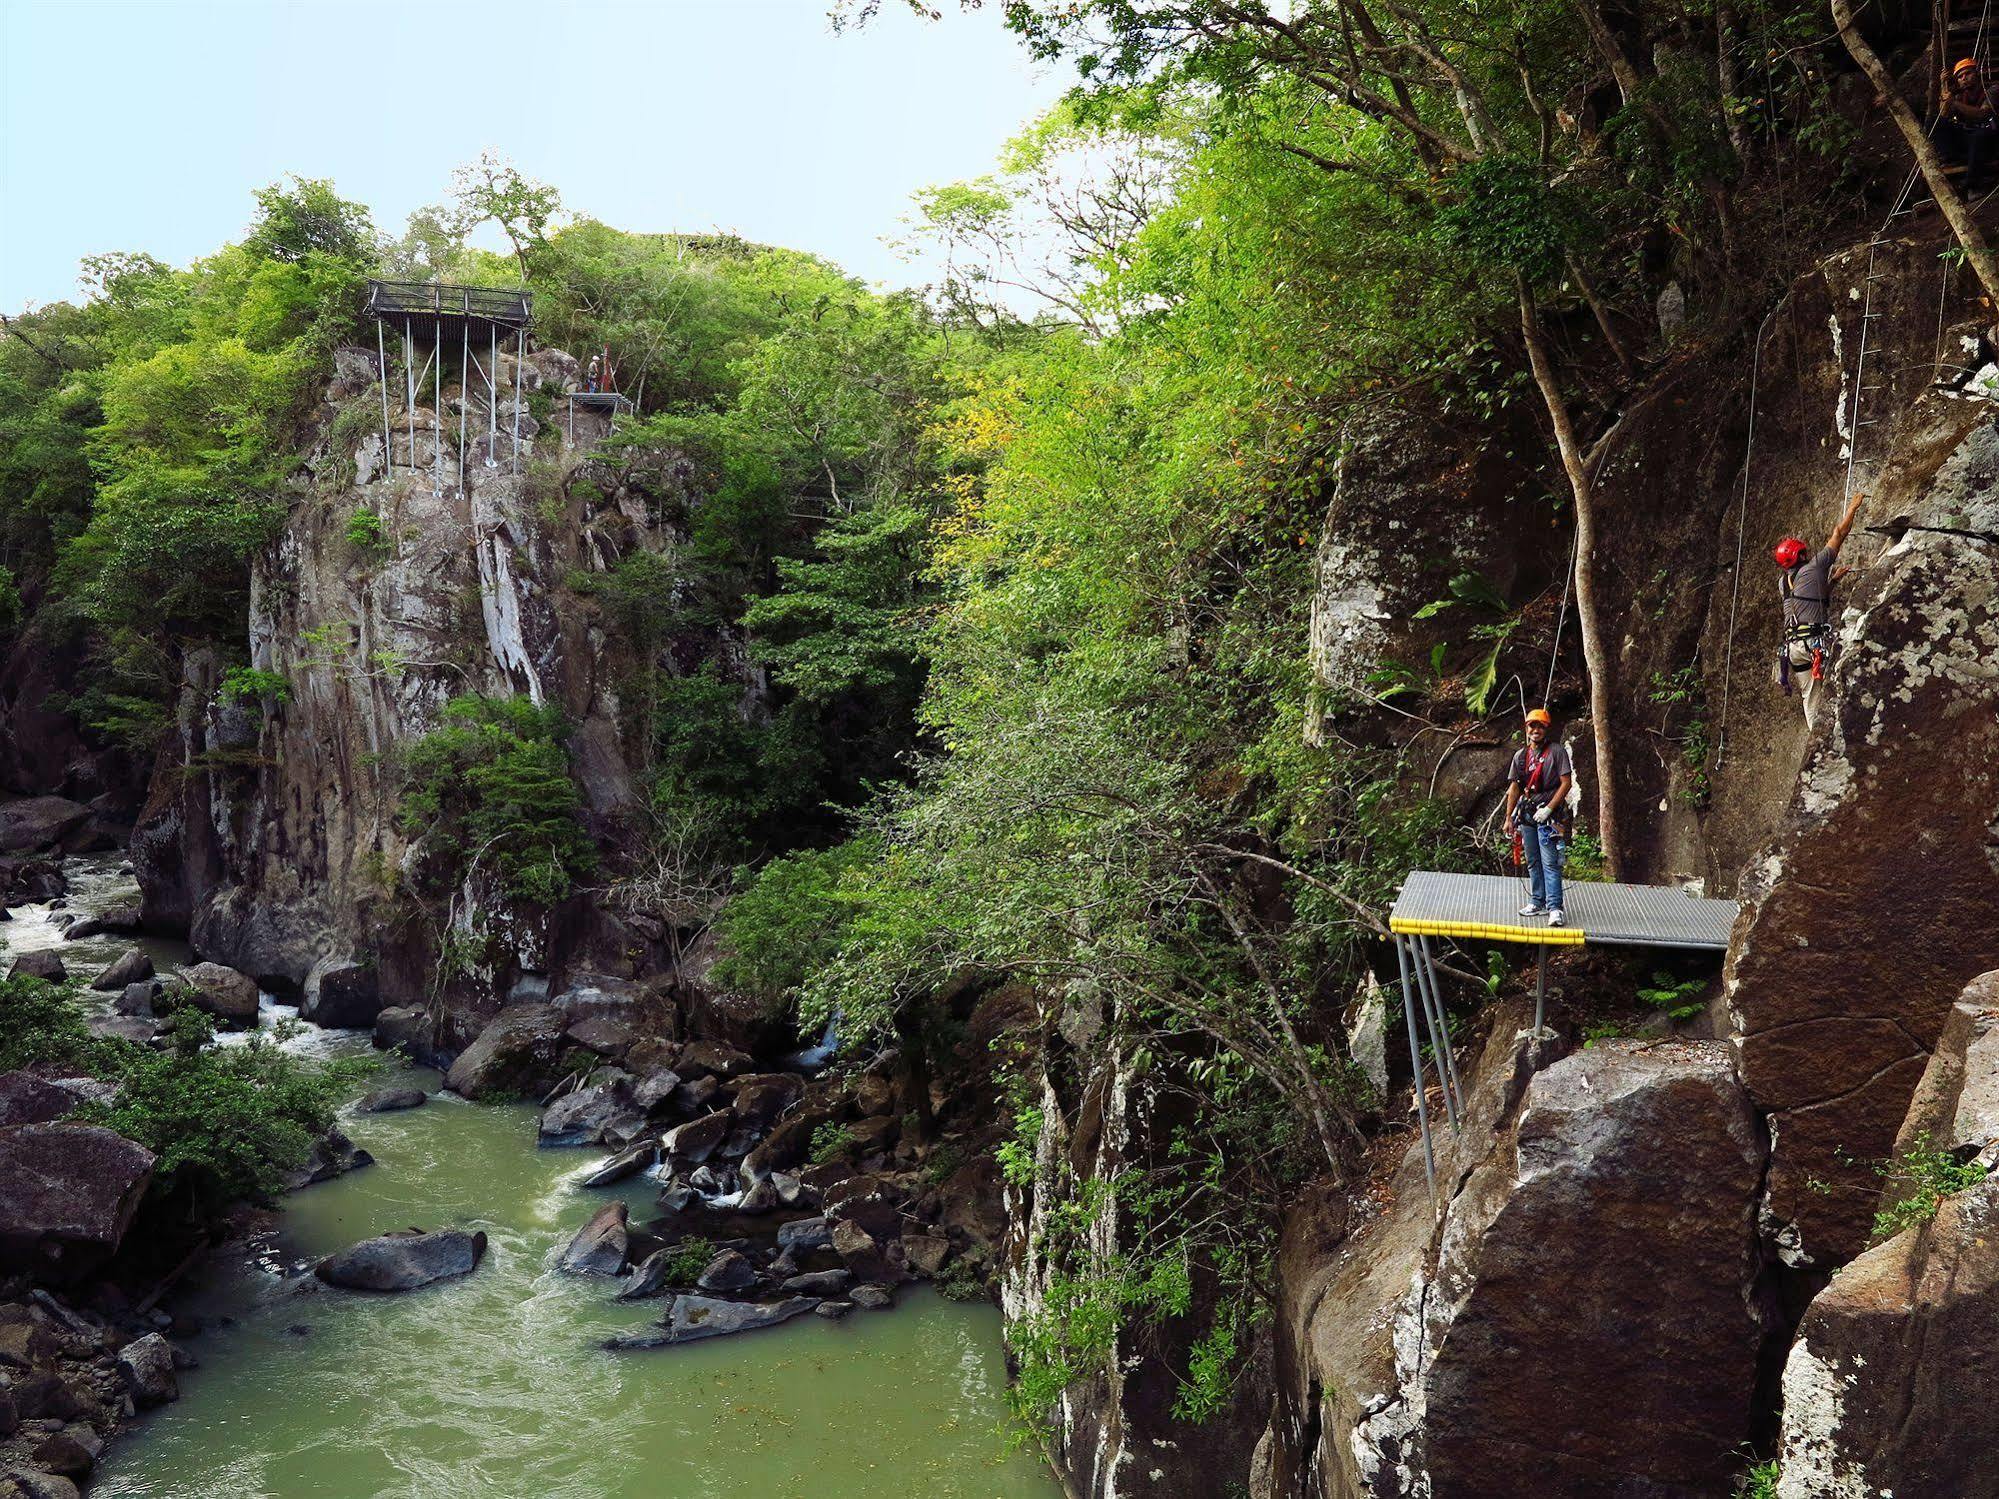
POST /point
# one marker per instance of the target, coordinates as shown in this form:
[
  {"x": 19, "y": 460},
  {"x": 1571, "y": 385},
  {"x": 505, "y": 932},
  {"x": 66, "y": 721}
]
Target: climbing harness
[{"x": 1815, "y": 639}]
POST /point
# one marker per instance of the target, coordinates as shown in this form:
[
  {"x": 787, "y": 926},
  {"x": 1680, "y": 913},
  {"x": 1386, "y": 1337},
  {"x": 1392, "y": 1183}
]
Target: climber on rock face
[
  {"x": 593, "y": 376},
  {"x": 1806, "y": 587},
  {"x": 1966, "y": 122},
  {"x": 1537, "y": 798}
]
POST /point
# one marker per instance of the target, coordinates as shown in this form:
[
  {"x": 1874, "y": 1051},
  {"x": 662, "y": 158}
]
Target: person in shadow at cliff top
[
  {"x": 1537, "y": 799},
  {"x": 1967, "y": 126},
  {"x": 1806, "y": 587}
]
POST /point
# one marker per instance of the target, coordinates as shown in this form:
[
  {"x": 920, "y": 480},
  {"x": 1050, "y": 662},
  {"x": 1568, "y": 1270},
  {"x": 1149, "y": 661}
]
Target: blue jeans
[{"x": 1542, "y": 845}]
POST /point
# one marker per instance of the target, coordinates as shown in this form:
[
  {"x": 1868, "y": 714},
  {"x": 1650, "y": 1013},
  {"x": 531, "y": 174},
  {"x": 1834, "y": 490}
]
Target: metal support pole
[
  {"x": 1540, "y": 988},
  {"x": 382, "y": 365},
  {"x": 437, "y": 408},
  {"x": 1440, "y": 1045},
  {"x": 464, "y": 382},
  {"x": 1446, "y": 1058},
  {"x": 520, "y": 358},
  {"x": 492, "y": 395},
  {"x": 409, "y": 379},
  {"x": 1416, "y": 1067}
]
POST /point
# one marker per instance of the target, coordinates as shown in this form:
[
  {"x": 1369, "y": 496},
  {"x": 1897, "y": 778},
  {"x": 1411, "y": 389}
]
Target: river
[{"x": 494, "y": 1386}]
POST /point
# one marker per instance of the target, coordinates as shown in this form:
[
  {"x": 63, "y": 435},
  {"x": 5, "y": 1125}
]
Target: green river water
[{"x": 493, "y": 1386}]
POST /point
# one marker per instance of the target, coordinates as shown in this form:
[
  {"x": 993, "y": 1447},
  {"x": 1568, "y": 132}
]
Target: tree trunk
[
  {"x": 1589, "y": 620},
  {"x": 1955, "y": 213}
]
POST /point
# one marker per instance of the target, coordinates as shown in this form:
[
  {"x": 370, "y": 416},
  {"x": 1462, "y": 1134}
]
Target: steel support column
[
  {"x": 1447, "y": 1064},
  {"x": 437, "y": 409},
  {"x": 1440, "y": 1044},
  {"x": 1402, "y": 960},
  {"x": 409, "y": 379},
  {"x": 492, "y": 395},
  {"x": 382, "y": 368},
  {"x": 1540, "y": 987},
  {"x": 520, "y": 358},
  {"x": 464, "y": 384}
]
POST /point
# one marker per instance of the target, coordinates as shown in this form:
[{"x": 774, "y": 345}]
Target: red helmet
[{"x": 1790, "y": 552}]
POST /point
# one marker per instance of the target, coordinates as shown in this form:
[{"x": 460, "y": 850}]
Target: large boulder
[
  {"x": 147, "y": 1367},
  {"x": 603, "y": 1246},
  {"x": 404, "y": 1260},
  {"x": 1872, "y": 907},
  {"x": 344, "y": 997},
  {"x": 134, "y": 966},
  {"x": 67, "y": 1195},
  {"x": 1588, "y": 1308},
  {"x": 45, "y": 824},
  {"x": 516, "y": 1055},
  {"x": 230, "y": 996},
  {"x": 28, "y": 1099},
  {"x": 692, "y": 1143},
  {"x": 46, "y": 965},
  {"x": 1887, "y": 1387},
  {"x": 602, "y": 1113}
]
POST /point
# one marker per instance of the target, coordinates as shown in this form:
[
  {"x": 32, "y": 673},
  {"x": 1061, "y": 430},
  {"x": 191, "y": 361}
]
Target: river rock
[
  {"x": 693, "y": 1142},
  {"x": 818, "y": 1283},
  {"x": 872, "y": 1094},
  {"x": 699, "y": 1059},
  {"x": 928, "y": 1253},
  {"x": 874, "y": 1298},
  {"x": 803, "y": 1235},
  {"x": 728, "y": 1271},
  {"x": 392, "y": 1100},
  {"x": 861, "y": 1252},
  {"x": 417, "y": 1035},
  {"x": 517, "y": 1054},
  {"x": 67, "y": 1195},
  {"x": 648, "y": 1277},
  {"x": 229, "y": 996},
  {"x": 24, "y": 1483},
  {"x": 598, "y": 996},
  {"x": 627, "y": 1163},
  {"x": 601, "y": 1246},
  {"x": 655, "y": 1089},
  {"x": 833, "y": 1311},
  {"x": 404, "y": 1260},
  {"x": 344, "y": 997},
  {"x": 760, "y": 1198},
  {"x": 71, "y": 1452},
  {"x": 590, "y": 1116},
  {"x": 695, "y": 1095},
  {"x": 607, "y": 1037},
  {"x": 44, "y": 824},
  {"x": 790, "y": 1144},
  {"x": 46, "y": 965},
  {"x": 135, "y": 965},
  {"x": 333, "y": 1154},
  {"x": 147, "y": 1367},
  {"x": 139, "y": 999},
  {"x": 692, "y": 1318},
  {"x": 119, "y": 918},
  {"x": 28, "y": 1099},
  {"x": 761, "y": 1097}
]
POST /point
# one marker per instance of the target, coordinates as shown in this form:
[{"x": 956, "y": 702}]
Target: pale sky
[{"x": 146, "y": 124}]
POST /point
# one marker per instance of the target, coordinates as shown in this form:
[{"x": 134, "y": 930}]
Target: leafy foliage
[
  {"x": 489, "y": 789},
  {"x": 225, "y": 1123},
  {"x": 1921, "y": 1178}
]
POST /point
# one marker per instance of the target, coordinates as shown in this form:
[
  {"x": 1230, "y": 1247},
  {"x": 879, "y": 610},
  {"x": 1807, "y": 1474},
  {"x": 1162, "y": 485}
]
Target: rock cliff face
[
  {"x": 269, "y": 832},
  {"x": 1595, "y": 1231},
  {"x": 1644, "y": 1224}
]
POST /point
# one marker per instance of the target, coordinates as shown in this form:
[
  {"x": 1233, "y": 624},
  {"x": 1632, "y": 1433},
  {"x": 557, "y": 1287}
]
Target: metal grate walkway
[{"x": 1483, "y": 907}]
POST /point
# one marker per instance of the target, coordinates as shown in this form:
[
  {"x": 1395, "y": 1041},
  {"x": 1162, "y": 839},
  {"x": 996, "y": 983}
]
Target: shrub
[
  {"x": 364, "y": 531},
  {"x": 830, "y": 1142},
  {"x": 241, "y": 684},
  {"x": 1925, "y": 1176},
  {"x": 225, "y": 1124},
  {"x": 686, "y": 1260},
  {"x": 491, "y": 786}
]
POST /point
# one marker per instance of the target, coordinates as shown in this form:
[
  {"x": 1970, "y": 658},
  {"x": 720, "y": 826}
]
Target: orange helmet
[
  {"x": 1965, "y": 67},
  {"x": 1540, "y": 716}
]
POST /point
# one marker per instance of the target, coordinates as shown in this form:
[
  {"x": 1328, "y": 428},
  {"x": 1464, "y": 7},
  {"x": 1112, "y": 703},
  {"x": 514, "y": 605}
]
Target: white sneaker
[
  {"x": 1532, "y": 910},
  {"x": 1555, "y": 917}
]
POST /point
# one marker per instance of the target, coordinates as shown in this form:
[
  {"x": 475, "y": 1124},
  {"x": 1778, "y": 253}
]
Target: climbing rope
[
  {"x": 1741, "y": 530},
  {"x": 1561, "y": 618}
]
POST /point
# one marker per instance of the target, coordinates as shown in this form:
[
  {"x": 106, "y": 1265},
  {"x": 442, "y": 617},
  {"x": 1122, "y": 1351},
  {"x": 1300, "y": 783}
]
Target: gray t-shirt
[
  {"x": 1811, "y": 587},
  {"x": 1554, "y": 765}
]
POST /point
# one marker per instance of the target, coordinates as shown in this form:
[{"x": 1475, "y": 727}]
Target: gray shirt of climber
[
  {"x": 1553, "y": 768},
  {"x": 1811, "y": 586}
]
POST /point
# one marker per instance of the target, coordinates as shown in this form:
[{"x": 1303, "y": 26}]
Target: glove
[{"x": 1542, "y": 814}]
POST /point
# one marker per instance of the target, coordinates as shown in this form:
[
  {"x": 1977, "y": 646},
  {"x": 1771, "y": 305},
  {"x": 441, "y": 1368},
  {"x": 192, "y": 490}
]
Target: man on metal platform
[{"x": 1537, "y": 799}]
